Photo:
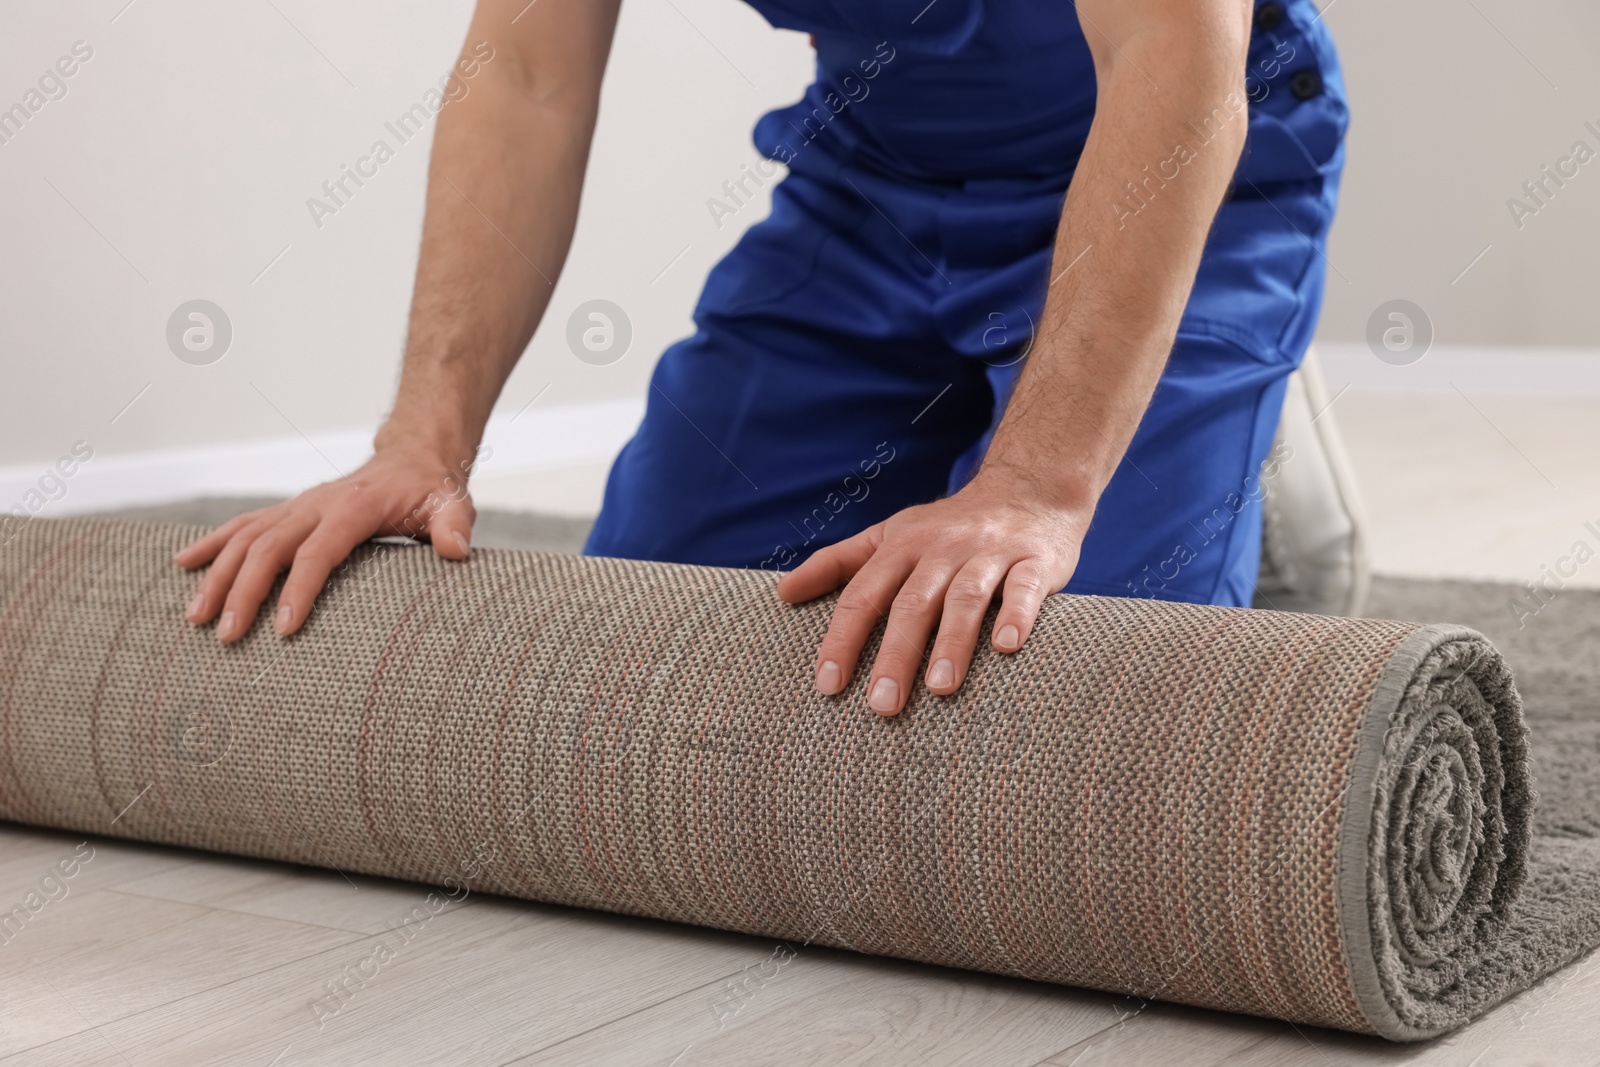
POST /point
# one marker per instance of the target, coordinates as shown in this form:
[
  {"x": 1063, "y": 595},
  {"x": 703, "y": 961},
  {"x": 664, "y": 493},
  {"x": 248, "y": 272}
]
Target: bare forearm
[
  {"x": 502, "y": 201},
  {"x": 1122, "y": 276},
  {"x": 1155, "y": 168}
]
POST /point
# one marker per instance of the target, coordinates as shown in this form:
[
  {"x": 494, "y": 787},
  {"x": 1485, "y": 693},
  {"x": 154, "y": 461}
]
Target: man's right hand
[
  {"x": 395, "y": 494},
  {"x": 507, "y": 169},
  {"x": 503, "y": 184}
]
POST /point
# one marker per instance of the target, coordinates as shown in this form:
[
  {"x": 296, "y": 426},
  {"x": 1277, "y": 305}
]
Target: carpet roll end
[{"x": 1437, "y": 834}]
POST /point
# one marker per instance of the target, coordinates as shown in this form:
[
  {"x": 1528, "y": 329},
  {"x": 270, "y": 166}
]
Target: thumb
[{"x": 450, "y": 526}]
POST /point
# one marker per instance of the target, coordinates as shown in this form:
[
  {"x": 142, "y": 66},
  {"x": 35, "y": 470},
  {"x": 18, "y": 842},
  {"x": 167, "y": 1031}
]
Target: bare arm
[
  {"x": 503, "y": 186},
  {"x": 1167, "y": 73},
  {"x": 1165, "y": 79}
]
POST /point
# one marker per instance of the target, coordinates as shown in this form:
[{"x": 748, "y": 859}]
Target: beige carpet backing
[{"x": 1323, "y": 820}]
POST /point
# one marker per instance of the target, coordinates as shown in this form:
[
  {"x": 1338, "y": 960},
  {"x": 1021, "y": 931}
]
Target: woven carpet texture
[{"x": 1318, "y": 819}]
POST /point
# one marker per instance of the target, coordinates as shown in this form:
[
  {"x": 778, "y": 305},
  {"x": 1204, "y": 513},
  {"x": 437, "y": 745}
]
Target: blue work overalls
[{"x": 855, "y": 350}]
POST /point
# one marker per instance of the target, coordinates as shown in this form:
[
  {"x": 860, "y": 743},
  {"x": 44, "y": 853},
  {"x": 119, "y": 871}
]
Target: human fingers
[
  {"x": 966, "y": 601},
  {"x": 322, "y": 550},
  {"x": 912, "y": 618},
  {"x": 831, "y": 567},
  {"x": 449, "y": 526},
  {"x": 218, "y": 579},
  {"x": 203, "y": 550},
  {"x": 1027, "y": 584},
  {"x": 866, "y": 599},
  {"x": 269, "y": 553}
]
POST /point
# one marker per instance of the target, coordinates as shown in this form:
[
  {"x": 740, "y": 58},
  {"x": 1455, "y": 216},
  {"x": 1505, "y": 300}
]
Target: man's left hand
[{"x": 940, "y": 565}]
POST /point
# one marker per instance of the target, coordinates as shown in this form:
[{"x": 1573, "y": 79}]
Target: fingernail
[
  {"x": 285, "y": 615},
  {"x": 941, "y": 674},
  {"x": 197, "y": 604},
  {"x": 225, "y": 625},
  {"x": 885, "y": 696},
  {"x": 828, "y": 678},
  {"x": 461, "y": 543},
  {"x": 1008, "y": 638}
]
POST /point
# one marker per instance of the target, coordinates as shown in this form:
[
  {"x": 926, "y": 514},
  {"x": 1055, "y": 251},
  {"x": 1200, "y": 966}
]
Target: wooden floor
[{"x": 163, "y": 956}]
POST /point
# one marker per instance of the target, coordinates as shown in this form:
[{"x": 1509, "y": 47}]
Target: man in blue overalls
[{"x": 1020, "y": 319}]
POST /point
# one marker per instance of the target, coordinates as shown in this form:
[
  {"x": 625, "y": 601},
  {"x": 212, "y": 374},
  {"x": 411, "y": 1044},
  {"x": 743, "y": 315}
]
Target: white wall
[
  {"x": 1451, "y": 112},
  {"x": 179, "y": 163}
]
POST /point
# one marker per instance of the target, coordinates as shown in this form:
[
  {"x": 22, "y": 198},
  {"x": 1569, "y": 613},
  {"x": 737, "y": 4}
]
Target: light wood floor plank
[
  {"x": 282, "y": 891},
  {"x": 28, "y": 854},
  {"x": 826, "y": 1007},
  {"x": 1161, "y": 1033},
  {"x": 484, "y": 983},
  {"x": 107, "y": 956}
]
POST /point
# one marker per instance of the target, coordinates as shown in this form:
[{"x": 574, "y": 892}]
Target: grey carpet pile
[{"x": 1324, "y": 820}]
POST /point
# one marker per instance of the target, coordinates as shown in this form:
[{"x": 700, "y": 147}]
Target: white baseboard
[
  {"x": 540, "y": 439},
  {"x": 1471, "y": 369}
]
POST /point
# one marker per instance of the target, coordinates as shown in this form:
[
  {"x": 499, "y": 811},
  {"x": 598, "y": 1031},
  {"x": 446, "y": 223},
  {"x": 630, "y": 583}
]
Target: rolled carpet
[{"x": 1320, "y": 819}]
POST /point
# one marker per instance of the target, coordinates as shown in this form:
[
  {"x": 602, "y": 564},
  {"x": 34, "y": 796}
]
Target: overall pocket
[{"x": 1295, "y": 89}]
